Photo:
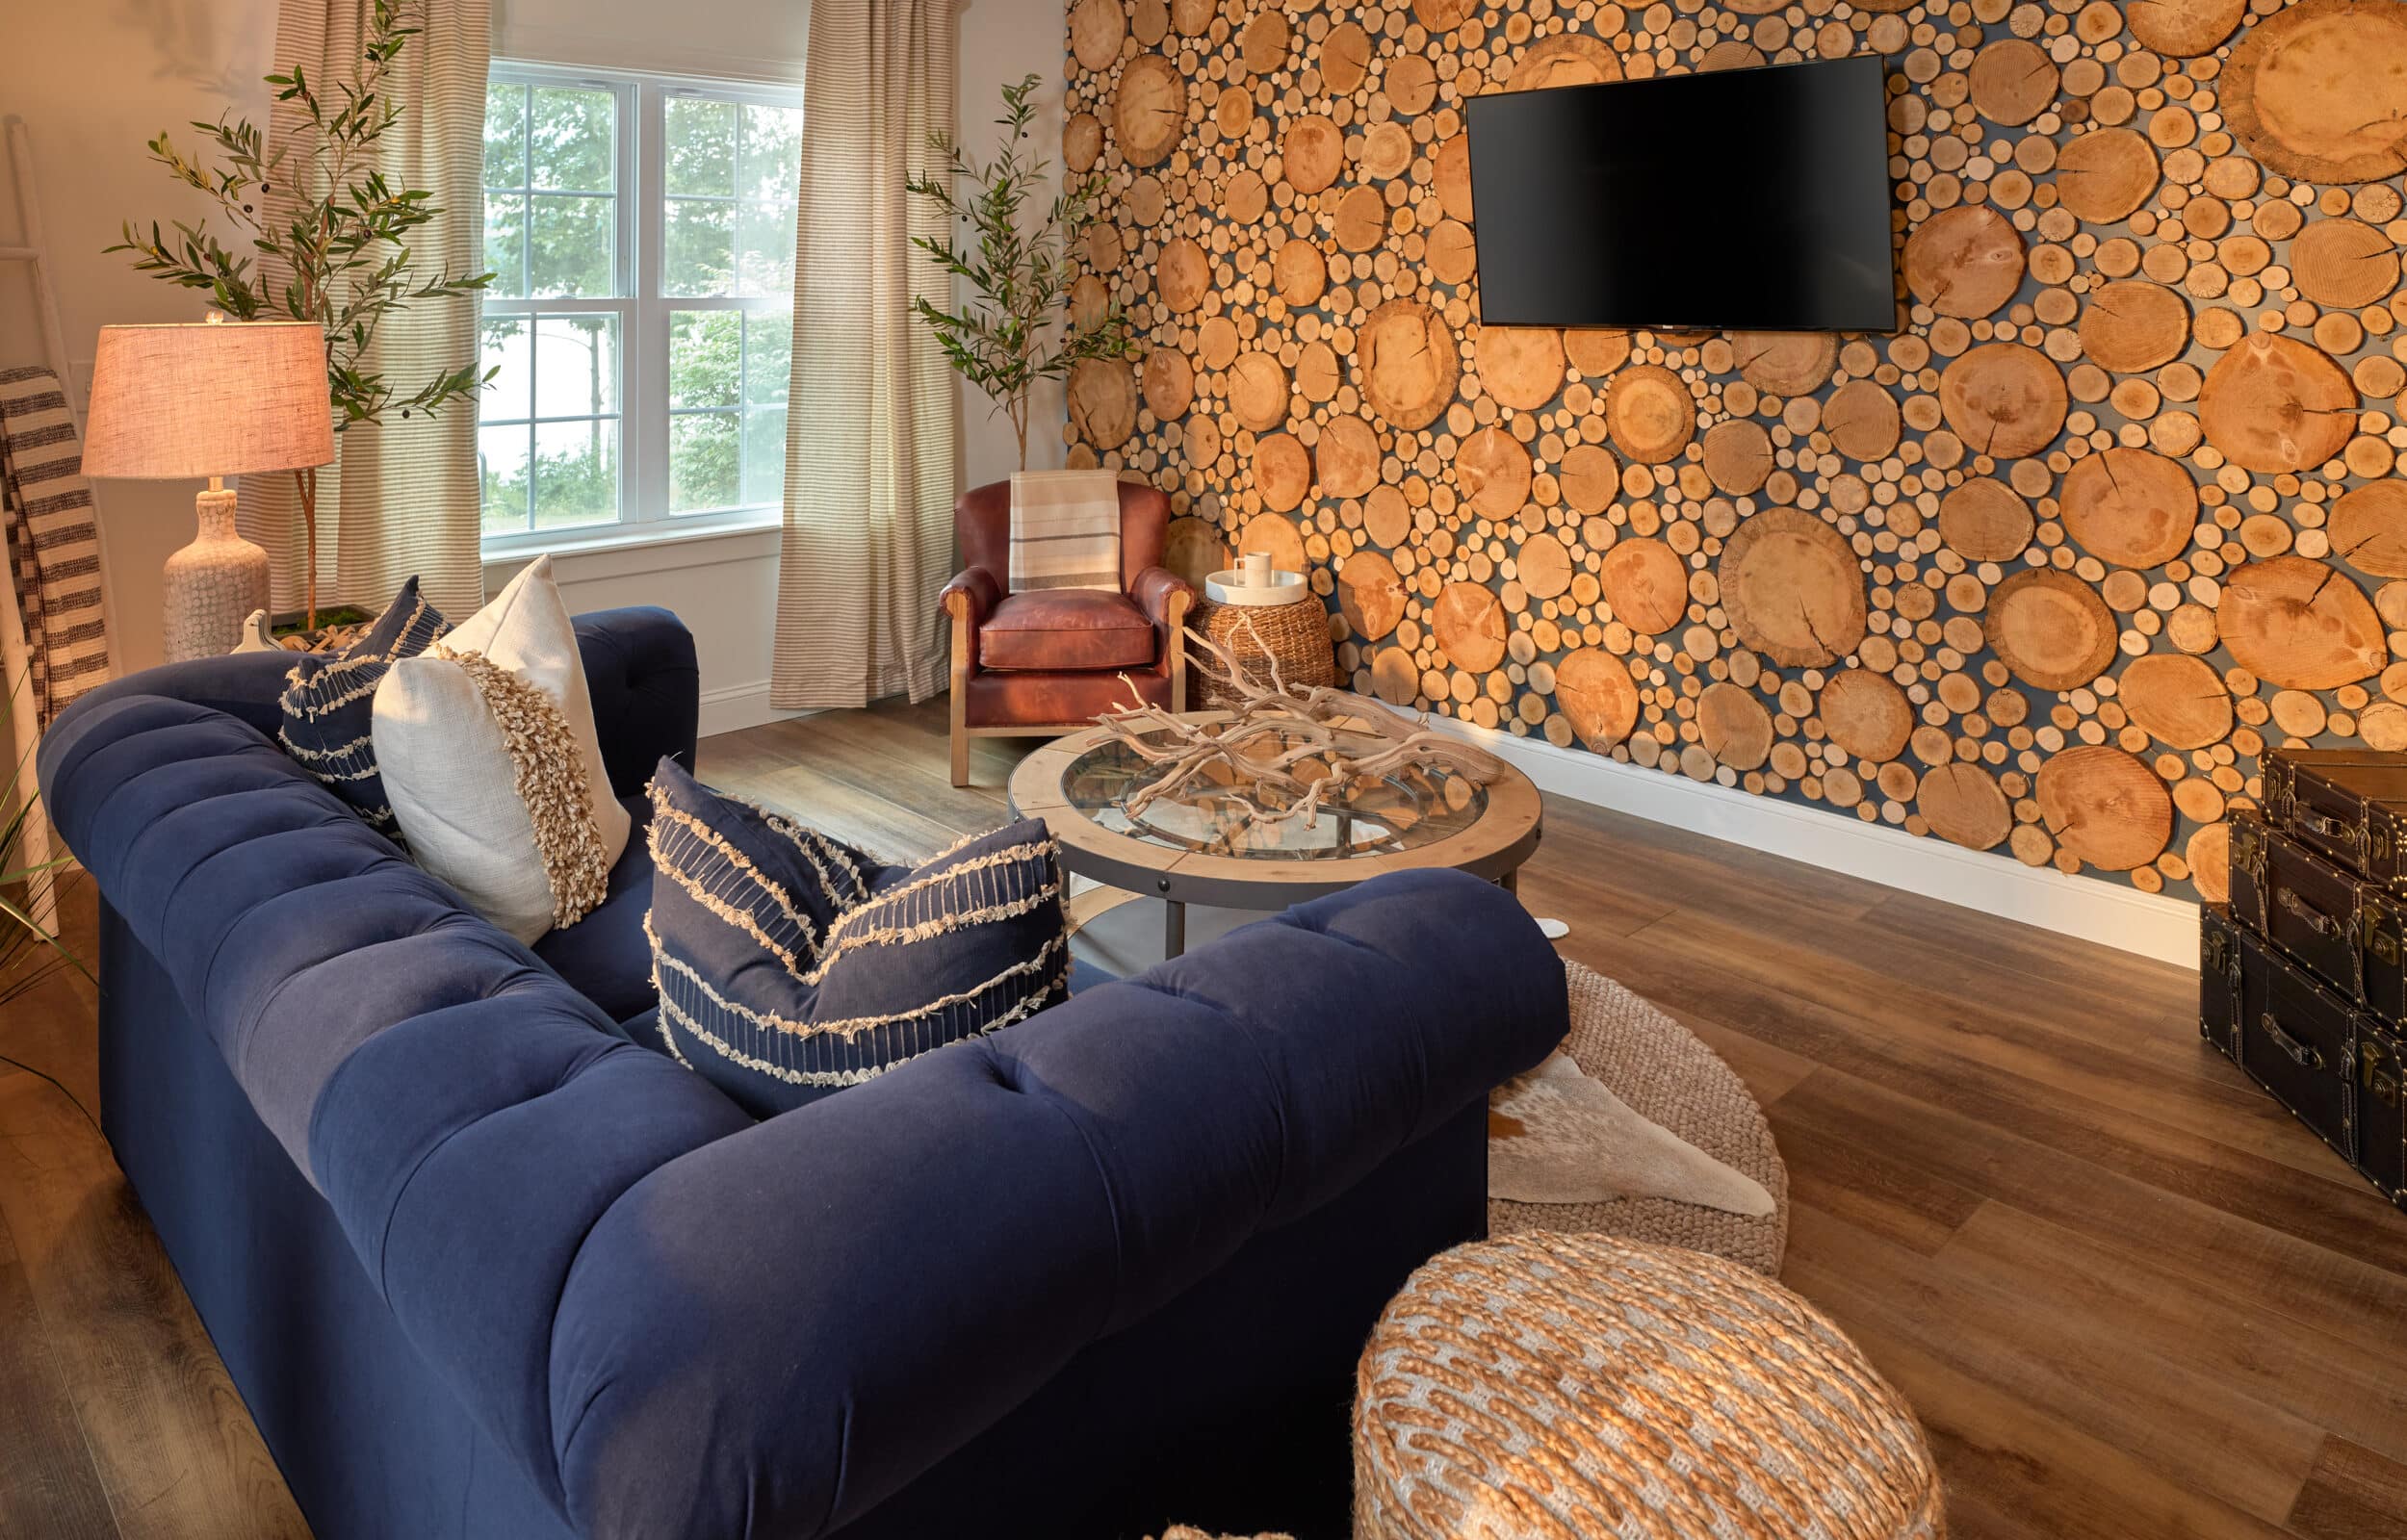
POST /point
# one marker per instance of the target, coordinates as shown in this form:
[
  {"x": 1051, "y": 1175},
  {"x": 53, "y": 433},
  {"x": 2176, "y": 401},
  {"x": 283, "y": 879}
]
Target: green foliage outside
[{"x": 727, "y": 232}]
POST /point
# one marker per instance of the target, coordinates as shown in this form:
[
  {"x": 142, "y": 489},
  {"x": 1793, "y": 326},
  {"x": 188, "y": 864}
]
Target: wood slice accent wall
[{"x": 2044, "y": 572}]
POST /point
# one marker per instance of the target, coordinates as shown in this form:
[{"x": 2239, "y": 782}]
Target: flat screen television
[{"x": 1741, "y": 199}]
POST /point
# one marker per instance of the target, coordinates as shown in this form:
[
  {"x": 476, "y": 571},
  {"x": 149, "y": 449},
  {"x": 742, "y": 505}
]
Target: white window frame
[{"x": 643, "y": 312}]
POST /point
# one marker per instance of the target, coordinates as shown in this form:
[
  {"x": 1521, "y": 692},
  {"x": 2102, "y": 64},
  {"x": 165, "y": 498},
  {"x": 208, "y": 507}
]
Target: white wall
[{"x": 92, "y": 82}]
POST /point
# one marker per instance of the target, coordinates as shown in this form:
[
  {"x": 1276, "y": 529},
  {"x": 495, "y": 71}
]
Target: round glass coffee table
[{"x": 1192, "y": 847}]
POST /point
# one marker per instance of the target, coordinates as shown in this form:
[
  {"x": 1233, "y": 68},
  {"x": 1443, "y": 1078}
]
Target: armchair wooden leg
[
  {"x": 1177, "y": 652},
  {"x": 958, "y": 698}
]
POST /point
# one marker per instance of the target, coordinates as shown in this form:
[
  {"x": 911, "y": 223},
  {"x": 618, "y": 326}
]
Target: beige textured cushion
[
  {"x": 1580, "y": 1387},
  {"x": 447, "y": 764}
]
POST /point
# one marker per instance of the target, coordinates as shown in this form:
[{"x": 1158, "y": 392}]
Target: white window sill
[{"x": 513, "y": 549}]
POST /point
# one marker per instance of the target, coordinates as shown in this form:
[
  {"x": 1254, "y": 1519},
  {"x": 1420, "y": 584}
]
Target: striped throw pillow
[
  {"x": 329, "y": 701},
  {"x": 790, "y": 964}
]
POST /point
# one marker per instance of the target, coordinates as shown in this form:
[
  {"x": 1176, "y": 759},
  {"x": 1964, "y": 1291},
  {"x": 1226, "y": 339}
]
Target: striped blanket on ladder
[
  {"x": 1065, "y": 530},
  {"x": 53, "y": 541}
]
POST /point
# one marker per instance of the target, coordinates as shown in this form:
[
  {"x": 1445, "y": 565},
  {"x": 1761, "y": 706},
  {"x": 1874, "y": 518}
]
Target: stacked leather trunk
[{"x": 2302, "y": 977}]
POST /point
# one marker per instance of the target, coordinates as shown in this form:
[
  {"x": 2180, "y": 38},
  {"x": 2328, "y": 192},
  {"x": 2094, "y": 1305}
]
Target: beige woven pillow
[{"x": 493, "y": 767}]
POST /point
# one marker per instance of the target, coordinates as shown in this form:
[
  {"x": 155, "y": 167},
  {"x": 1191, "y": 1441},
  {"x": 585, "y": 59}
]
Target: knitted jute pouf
[
  {"x": 1669, "y": 1077},
  {"x": 1579, "y": 1387}
]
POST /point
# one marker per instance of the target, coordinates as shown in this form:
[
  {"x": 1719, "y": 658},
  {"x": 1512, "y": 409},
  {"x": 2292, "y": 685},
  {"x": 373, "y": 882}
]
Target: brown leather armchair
[{"x": 1049, "y": 662}]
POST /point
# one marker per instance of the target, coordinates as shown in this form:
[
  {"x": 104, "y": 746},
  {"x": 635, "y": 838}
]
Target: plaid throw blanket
[
  {"x": 1065, "y": 530},
  {"x": 53, "y": 541}
]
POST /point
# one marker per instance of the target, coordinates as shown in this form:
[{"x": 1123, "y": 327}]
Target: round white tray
[{"x": 1231, "y": 588}]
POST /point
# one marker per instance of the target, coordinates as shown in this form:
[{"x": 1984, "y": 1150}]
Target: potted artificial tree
[{"x": 1016, "y": 326}]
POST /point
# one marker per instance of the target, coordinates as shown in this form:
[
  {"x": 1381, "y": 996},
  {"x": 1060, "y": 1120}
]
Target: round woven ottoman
[
  {"x": 1295, "y": 636},
  {"x": 1669, "y": 1077},
  {"x": 1579, "y": 1387}
]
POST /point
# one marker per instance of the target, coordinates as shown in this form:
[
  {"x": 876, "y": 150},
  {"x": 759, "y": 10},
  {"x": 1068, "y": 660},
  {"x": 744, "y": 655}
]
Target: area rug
[{"x": 1668, "y": 1076}]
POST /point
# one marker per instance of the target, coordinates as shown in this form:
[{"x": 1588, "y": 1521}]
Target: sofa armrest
[
  {"x": 772, "y": 1334},
  {"x": 646, "y": 688}
]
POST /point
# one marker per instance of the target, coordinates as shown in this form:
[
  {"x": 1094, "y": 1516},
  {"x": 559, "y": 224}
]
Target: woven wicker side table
[
  {"x": 1296, "y": 636},
  {"x": 1578, "y": 1387}
]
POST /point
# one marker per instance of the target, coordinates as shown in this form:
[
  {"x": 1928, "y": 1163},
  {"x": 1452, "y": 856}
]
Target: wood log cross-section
[
  {"x": 2179, "y": 700},
  {"x": 2368, "y": 528},
  {"x": 2133, "y": 508},
  {"x": 2104, "y": 806},
  {"x": 2274, "y": 404},
  {"x": 2184, "y": 29},
  {"x": 1786, "y": 363},
  {"x": 1594, "y": 688},
  {"x": 1984, "y": 520},
  {"x": 1962, "y": 805},
  {"x": 1347, "y": 457},
  {"x": 1370, "y": 595},
  {"x": 1407, "y": 363},
  {"x": 1965, "y": 262},
  {"x": 1102, "y": 401},
  {"x": 2012, "y": 82},
  {"x": 1651, "y": 415},
  {"x": 1792, "y": 588},
  {"x": 1150, "y": 108},
  {"x": 2134, "y": 326},
  {"x": 1646, "y": 584},
  {"x": 2105, "y": 174},
  {"x": 1312, "y": 153},
  {"x": 2004, "y": 399},
  {"x": 1469, "y": 622},
  {"x": 1494, "y": 473},
  {"x": 2317, "y": 90},
  {"x": 1866, "y": 714},
  {"x": 2344, "y": 263},
  {"x": 2050, "y": 628},
  {"x": 1520, "y": 366},
  {"x": 1097, "y": 30},
  {"x": 2300, "y": 625}
]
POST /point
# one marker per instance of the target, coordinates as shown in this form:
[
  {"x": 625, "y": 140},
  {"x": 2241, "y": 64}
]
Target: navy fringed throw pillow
[
  {"x": 790, "y": 964},
  {"x": 329, "y": 700}
]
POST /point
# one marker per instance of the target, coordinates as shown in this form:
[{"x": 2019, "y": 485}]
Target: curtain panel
[
  {"x": 400, "y": 500},
  {"x": 872, "y": 458}
]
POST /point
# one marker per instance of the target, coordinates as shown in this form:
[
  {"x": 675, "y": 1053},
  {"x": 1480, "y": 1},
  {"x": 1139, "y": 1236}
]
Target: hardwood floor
[{"x": 2130, "y": 1298}]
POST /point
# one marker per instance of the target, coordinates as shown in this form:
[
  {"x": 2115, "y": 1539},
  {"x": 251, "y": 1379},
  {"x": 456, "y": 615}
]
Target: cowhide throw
[{"x": 1557, "y": 1136}]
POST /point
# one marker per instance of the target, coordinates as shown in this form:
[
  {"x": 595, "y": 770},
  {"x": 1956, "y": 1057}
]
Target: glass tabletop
[{"x": 1408, "y": 809}]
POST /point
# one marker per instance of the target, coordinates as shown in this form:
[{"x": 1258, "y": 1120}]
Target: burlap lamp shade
[{"x": 216, "y": 399}]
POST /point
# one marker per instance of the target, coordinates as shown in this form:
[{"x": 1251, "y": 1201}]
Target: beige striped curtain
[
  {"x": 870, "y": 467},
  {"x": 401, "y": 498}
]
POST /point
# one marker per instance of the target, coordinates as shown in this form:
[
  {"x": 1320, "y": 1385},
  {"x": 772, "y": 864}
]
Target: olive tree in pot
[
  {"x": 344, "y": 256},
  {"x": 1016, "y": 328}
]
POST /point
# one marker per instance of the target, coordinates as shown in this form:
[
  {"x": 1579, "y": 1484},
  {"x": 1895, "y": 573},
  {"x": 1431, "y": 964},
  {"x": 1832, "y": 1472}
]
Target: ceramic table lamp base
[{"x": 211, "y": 585}]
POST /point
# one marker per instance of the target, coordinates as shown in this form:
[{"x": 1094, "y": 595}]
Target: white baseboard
[
  {"x": 2150, "y": 924},
  {"x": 732, "y": 707}
]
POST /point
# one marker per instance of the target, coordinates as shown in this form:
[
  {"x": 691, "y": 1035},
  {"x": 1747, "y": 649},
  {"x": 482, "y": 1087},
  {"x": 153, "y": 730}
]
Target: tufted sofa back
[{"x": 679, "y": 1321}]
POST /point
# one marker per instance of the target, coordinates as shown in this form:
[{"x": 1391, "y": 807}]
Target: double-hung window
[{"x": 641, "y": 231}]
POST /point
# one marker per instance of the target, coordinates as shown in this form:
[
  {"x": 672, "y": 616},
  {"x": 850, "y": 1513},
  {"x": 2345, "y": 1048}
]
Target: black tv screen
[{"x": 1743, "y": 199}]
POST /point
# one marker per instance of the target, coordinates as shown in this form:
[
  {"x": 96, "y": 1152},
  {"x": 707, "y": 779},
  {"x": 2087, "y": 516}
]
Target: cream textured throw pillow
[{"x": 474, "y": 733}]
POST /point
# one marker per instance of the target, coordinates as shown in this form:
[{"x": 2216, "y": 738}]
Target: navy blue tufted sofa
[{"x": 484, "y": 1267}]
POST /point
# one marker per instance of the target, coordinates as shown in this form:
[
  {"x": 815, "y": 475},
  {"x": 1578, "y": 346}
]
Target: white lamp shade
[{"x": 221, "y": 399}]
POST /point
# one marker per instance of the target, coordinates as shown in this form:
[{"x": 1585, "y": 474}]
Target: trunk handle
[{"x": 2306, "y": 1056}]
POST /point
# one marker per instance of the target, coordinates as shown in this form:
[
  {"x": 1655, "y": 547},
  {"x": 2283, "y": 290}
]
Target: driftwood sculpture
[{"x": 1283, "y": 753}]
